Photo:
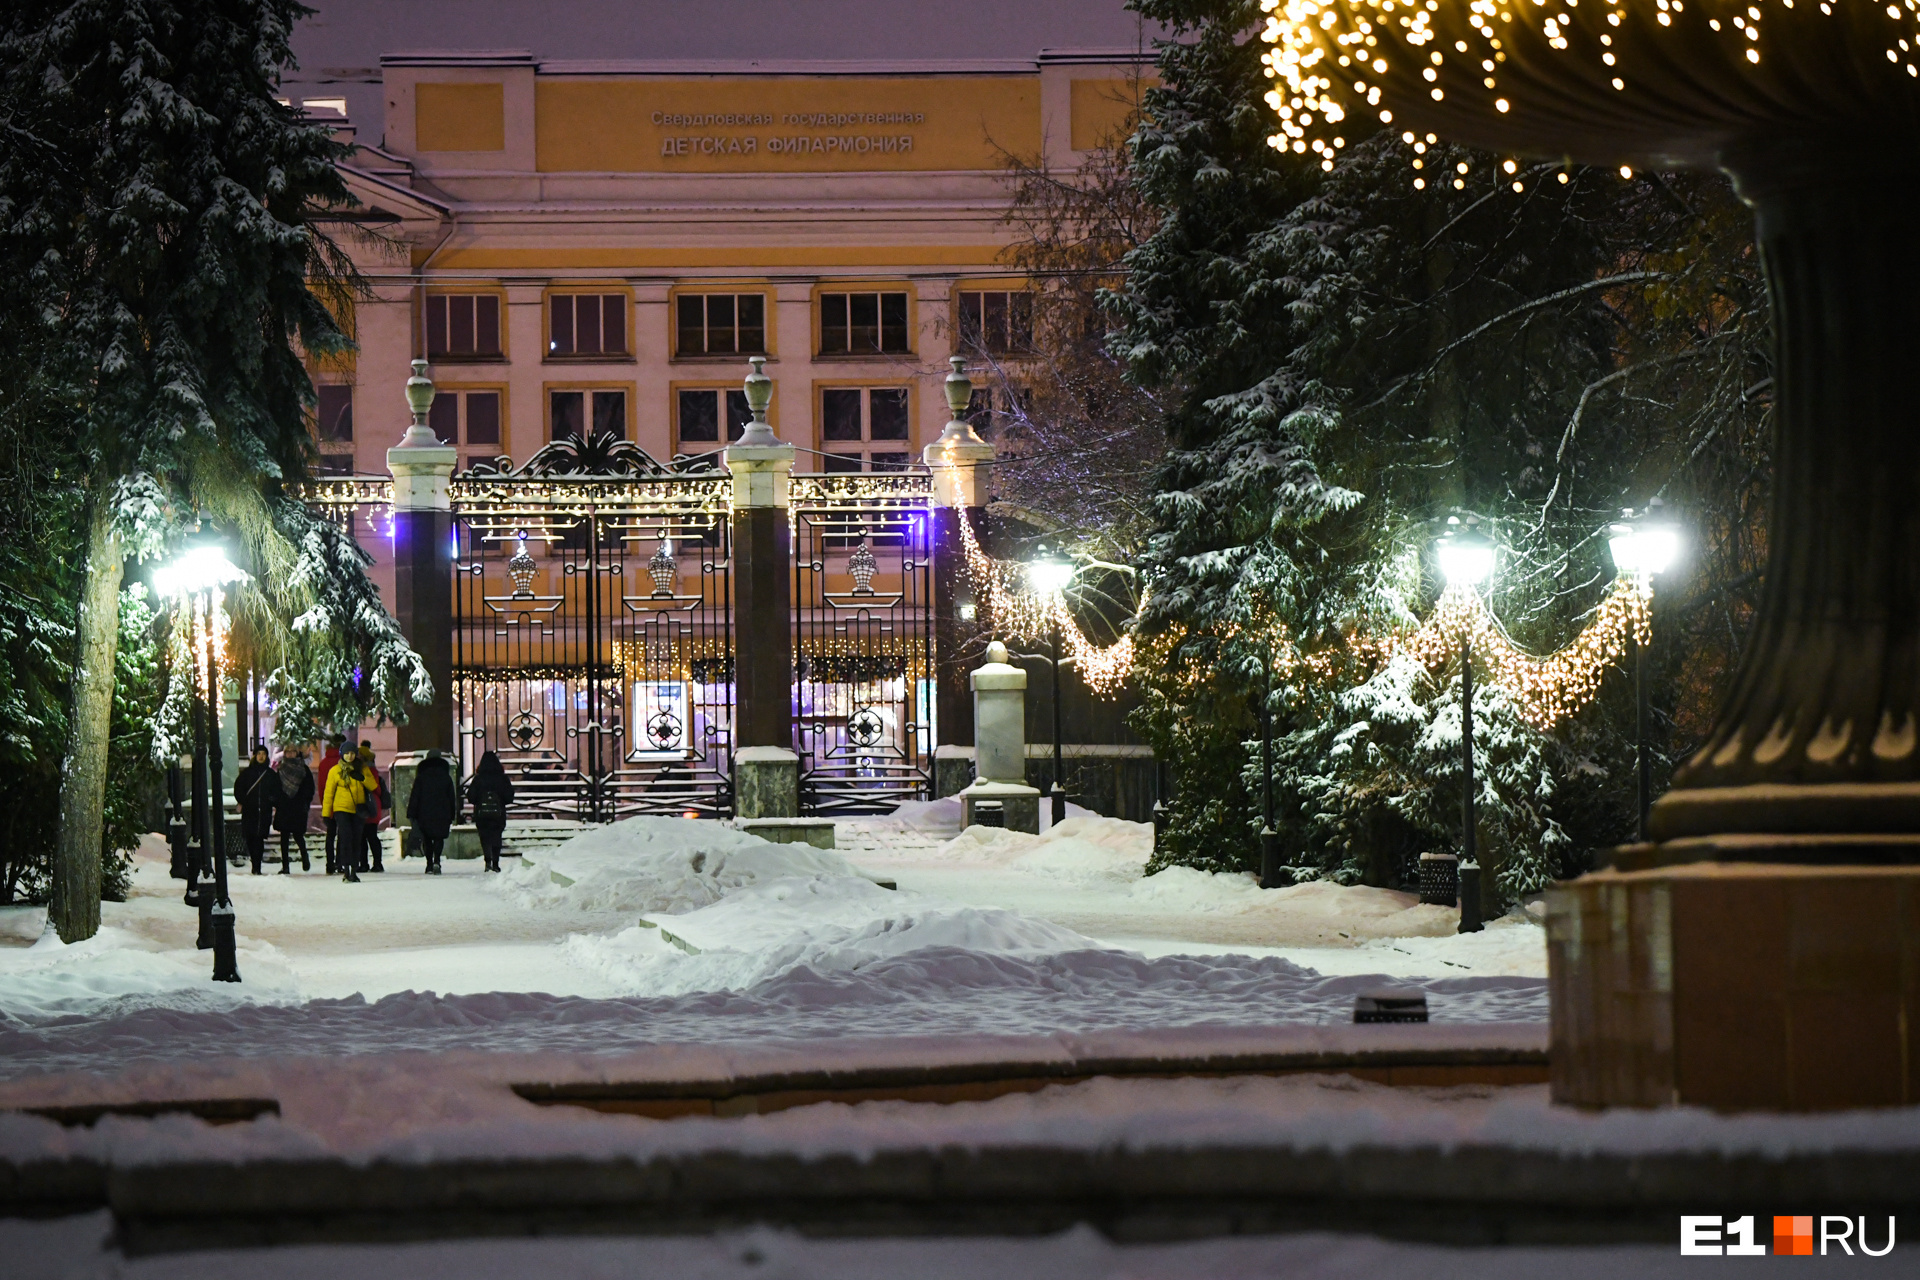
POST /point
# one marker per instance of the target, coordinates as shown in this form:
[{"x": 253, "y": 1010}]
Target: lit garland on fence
[
  {"x": 1332, "y": 56},
  {"x": 1020, "y": 612}
]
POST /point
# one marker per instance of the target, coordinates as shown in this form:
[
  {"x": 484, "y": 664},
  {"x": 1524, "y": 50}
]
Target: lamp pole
[
  {"x": 199, "y": 892},
  {"x": 1643, "y": 547},
  {"x": 226, "y": 963},
  {"x": 1269, "y": 839},
  {"x": 1050, "y": 575},
  {"x": 193, "y": 581},
  {"x": 1467, "y": 560}
]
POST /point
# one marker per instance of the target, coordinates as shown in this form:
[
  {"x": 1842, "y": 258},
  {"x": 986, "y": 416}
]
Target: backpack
[{"x": 489, "y": 805}]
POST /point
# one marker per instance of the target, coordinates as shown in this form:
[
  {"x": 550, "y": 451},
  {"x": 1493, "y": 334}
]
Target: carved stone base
[{"x": 1737, "y": 986}]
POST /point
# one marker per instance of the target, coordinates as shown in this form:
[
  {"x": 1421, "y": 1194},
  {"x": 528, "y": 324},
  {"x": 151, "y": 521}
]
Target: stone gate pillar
[
  {"x": 766, "y": 770},
  {"x": 959, "y": 460},
  {"x": 423, "y": 562}
]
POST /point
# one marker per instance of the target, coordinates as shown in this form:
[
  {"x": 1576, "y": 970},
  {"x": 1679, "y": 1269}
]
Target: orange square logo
[{"x": 1793, "y": 1236}]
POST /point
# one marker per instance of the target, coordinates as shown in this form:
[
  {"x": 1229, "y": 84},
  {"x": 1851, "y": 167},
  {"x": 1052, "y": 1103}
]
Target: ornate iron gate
[
  {"x": 593, "y": 635},
  {"x": 863, "y": 640}
]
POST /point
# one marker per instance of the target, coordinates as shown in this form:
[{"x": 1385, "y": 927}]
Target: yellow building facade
[{"x": 575, "y": 246}]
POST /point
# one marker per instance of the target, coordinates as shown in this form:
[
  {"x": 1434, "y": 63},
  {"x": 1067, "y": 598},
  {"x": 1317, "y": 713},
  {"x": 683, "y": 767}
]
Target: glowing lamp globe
[
  {"x": 1465, "y": 558},
  {"x": 1049, "y": 573},
  {"x": 200, "y": 568},
  {"x": 1643, "y": 549}
]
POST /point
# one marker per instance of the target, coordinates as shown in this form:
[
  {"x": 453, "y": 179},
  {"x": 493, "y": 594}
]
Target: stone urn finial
[{"x": 759, "y": 388}]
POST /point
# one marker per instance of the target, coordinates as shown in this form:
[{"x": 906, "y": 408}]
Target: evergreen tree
[
  {"x": 1350, "y": 360},
  {"x": 158, "y": 266}
]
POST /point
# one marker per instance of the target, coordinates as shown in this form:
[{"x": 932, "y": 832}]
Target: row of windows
[
  {"x": 467, "y": 325},
  {"x": 848, "y": 416}
]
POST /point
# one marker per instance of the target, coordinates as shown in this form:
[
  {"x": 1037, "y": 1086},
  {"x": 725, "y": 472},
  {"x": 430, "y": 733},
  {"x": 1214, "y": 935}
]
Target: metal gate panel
[
  {"x": 863, "y": 640},
  {"x": 593, "y": 642}
]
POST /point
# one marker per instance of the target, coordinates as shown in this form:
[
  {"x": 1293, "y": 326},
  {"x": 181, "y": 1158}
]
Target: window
[
  {"x": 997, "y": 321},
  {"x": 863, "y": 324},
  {"x": 993, "y": 408},
  {"x": 471, "y": 417},
  {"x": 463, "y": 325},
  {"x": 698, "y": 412},
  {"x": 336, "y": 464},
  {"x": 720, "y": 324},
  {"x": 852, "y": 416},
  {"x": 334, "y": 413},
  {"x": 587, "y": 324},
  {"x": 570, "y": 410}
]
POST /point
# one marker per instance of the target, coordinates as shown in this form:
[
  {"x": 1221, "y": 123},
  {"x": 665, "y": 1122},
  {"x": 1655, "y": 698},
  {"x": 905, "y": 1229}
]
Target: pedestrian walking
[
  {"x": 293, "y": 801},
  {"x": 382, "y": 801},
  {"x": 490, "y": 792},
  {"x": 327, "y": 763},
  {"x": 345, "y": 799},
  {"x": 432, "y": 807},
  {"x": 253, "y": 792}
]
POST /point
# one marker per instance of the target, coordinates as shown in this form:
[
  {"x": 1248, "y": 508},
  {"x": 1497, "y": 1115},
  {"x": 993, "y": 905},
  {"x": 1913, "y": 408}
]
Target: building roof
[{"x": 342, "y": 46}]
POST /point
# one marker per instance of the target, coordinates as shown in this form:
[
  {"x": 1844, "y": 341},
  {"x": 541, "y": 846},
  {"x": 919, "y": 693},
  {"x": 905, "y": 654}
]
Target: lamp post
[
  {"x": 1466, "y": 559},
  {"x": 194, "y": 579},
  {"x": 1269, "y": 838},
  {"x": 1642, "y": 547},
  {"x": 1050, "y": 575}
]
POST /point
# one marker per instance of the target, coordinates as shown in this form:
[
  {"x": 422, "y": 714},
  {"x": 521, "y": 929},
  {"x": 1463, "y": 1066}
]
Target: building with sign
[{"x": 579, "y": 246}]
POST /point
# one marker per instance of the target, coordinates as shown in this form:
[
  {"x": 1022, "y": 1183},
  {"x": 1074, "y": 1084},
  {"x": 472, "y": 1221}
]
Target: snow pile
[
  {"x": 931, "y": 817},
  {"x": 822, "y": 925},
  {"x": 117, "y": 971},
  {"x": 1085, "y": 850},
  {"x": 662, "y": 864}
]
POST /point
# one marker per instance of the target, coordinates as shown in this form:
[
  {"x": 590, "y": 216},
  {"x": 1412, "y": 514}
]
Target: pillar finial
[{"x": 759, "y": 388}]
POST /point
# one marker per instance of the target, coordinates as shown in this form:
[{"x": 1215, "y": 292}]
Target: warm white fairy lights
[
  {"x": 1020, "y": 612},
  {"x": 1545, "y": 690},
  {"x": 1330, "y": 57}
]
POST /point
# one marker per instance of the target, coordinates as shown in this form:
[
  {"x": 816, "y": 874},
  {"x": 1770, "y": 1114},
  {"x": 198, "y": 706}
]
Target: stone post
[
  {"x": 959, "y": 460},
  {"x": 423, "y": 563},
  {"x": 1000, "y": 743},
  {"x": 766, "y": 772}
]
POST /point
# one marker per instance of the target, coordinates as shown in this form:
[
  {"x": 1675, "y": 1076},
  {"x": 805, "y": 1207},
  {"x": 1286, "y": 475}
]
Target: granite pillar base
[
  {"x": 766, "y": 783},
  {"x": 1737, "y": 986},
  {"x": 1019, "y": 802}
]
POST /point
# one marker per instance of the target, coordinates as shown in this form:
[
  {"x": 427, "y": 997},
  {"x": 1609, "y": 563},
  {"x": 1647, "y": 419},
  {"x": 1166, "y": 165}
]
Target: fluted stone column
[
  {"x": 766, "y": 771},
  {"x": 959, "y": 460},
  {"x": 423, "y": 562}
]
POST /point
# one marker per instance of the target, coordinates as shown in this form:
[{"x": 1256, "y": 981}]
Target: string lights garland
[
  {"x": 1023, "y": 613},
  {"x": 1545, "y": 690},
  {"x": 1460, "y": 57}
]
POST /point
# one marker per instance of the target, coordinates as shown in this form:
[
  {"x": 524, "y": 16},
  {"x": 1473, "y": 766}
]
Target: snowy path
[{"x": 1010, "y": 938}]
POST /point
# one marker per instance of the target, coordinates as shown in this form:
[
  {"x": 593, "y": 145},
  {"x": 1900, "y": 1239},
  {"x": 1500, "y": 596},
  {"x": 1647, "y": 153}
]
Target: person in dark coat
[
  {"x": 292, "y": 805},
  {"x": 432, "y": 807},
  {"x": 254, "y": 792},
  {"x": 490, "y": 792}
]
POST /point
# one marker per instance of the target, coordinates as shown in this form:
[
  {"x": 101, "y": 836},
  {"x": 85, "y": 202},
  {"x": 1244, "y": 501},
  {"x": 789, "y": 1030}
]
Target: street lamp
[
  {"x": 1050, "y": 574},
  {"x": 194, "y": 579},
  {"x": 1642, "y": 547},
  {"x": 1467, "y": 560}
]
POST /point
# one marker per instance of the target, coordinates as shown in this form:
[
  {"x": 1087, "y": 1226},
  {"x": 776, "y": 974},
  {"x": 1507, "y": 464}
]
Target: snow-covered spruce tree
[
  {"x": 1354, "y": 359},
  {"x": 158, "y": 266}
]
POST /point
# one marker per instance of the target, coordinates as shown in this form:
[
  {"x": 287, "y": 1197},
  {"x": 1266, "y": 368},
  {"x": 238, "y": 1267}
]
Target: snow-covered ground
[
  {"x": 78, "y": 1249},
  {"x": 664, "y": 930}
]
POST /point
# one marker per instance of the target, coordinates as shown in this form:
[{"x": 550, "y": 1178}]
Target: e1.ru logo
[{"x": 1711, "y": 1236}]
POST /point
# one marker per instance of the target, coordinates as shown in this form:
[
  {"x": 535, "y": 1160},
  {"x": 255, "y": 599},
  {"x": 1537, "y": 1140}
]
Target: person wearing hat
[
  {"x": 328, "y": 763},
  {"x": 432, "y": 807},
  {"x": 254, "y": 790},
  {"x": 346, "y": 798}
]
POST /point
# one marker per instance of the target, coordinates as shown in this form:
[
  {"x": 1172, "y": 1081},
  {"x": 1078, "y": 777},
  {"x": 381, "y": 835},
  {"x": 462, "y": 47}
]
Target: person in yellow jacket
[{"x": 344, "y": 802}]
